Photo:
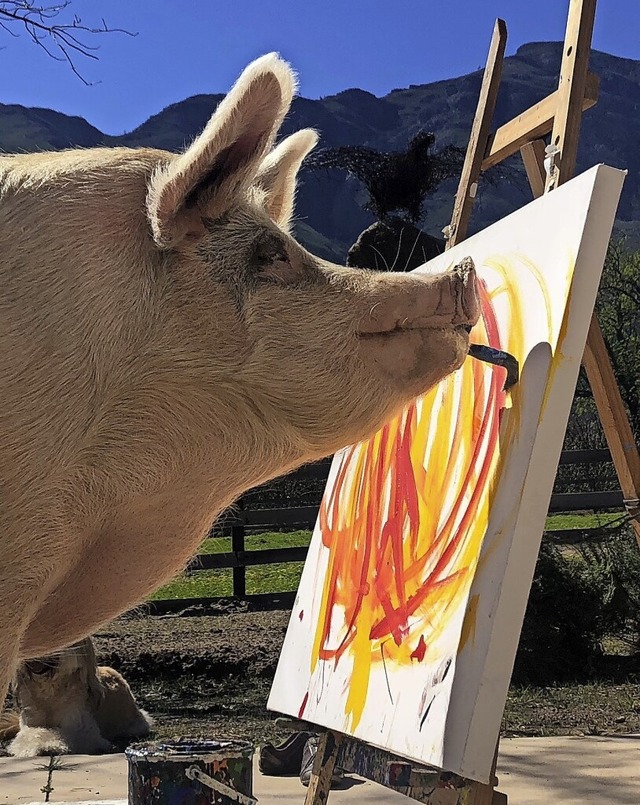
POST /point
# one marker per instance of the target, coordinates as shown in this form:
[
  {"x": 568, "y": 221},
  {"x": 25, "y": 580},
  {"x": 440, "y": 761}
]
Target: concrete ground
[{"x": 532, "y": 771}]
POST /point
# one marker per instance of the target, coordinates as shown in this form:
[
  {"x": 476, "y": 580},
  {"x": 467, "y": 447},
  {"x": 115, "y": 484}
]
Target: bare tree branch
[{"x": 61, "y": 38}]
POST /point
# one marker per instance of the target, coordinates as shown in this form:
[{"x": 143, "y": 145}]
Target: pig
[{"x": 166, "y": 344}]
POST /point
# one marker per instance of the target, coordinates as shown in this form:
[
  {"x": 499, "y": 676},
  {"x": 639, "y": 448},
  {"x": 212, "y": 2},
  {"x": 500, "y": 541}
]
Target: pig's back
[{"x": 75, "y": 299}]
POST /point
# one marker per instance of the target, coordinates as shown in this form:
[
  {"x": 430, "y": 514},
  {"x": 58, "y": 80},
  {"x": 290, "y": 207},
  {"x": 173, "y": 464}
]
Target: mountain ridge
[{"x": 330, "y": 203}]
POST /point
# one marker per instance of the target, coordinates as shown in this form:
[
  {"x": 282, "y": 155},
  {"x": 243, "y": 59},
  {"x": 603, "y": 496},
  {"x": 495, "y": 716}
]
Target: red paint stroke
[
  {"x": 420, "y": 650},
  {"x": 303, "y": 705}
]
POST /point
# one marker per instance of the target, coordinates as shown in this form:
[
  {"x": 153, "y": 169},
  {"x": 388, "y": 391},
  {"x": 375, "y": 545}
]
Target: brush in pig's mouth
[
  {"x": 498, "y": 357},
  {"x": 480, "y": 352}
]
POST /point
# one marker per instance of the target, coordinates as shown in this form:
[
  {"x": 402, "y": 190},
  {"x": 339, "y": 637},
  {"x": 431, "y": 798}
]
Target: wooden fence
[{"x": 247, "y": 518}]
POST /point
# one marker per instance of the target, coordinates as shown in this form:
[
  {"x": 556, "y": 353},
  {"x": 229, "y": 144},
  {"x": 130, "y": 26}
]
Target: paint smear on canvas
[{"x": 404, "y": 522}]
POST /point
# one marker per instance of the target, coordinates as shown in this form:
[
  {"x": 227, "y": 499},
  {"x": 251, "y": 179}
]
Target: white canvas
[{"x": 409, "y": 610}]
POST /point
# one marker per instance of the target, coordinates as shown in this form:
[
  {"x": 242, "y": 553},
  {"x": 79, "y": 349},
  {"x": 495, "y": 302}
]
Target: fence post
[{"x": 237, "y": 546}]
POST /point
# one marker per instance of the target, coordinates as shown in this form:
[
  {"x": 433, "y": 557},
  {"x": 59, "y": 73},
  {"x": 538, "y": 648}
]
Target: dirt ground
[
  {"x": 210, "y": 675},
  {"x": 201, "y": 676}
]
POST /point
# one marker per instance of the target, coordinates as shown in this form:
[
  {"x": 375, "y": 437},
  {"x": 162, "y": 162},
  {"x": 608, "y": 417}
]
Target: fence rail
[{"x": 246, "y": 518}]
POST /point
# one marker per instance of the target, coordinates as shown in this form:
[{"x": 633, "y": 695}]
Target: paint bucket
[{"x": 191, "y": 772}]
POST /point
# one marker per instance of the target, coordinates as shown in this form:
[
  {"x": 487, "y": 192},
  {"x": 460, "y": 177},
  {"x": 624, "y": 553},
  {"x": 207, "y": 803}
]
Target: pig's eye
[{"x": 271, "y": 261}]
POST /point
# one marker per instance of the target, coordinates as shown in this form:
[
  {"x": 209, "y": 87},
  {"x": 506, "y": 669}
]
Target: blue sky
[{"x": 187, "y": 47}]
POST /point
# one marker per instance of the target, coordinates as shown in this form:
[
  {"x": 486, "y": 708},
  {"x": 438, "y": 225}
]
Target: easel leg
[
  {"x": 323, "y": 766},
  {"x": 571, "y": 89},
  {"x": 613, "y": 417},
  {"x": 533, "y": 158},
  {"x": 480, "y": 129},
  {"x": 486, "y": 795}
]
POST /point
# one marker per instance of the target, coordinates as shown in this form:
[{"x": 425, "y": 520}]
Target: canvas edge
[{"x": 478, "y": 753}]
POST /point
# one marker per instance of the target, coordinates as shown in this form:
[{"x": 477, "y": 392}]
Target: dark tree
[
  {"x": 53, "y": 27},
  {"x": 395, "y": 181}
]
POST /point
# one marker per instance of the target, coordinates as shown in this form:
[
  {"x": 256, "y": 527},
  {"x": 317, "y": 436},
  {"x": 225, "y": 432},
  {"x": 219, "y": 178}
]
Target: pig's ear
[
  {"x": 278, "y": 172},
  {"x": 205, "y": 180}
]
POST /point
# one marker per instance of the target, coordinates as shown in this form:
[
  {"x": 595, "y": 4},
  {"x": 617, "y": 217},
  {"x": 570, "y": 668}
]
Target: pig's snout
[
  {"x": 418, "y": 334},
  {"x": 465, "y": 294},
  {"x": 450, "y": 299},
  {"x": 419, "y": 301}
]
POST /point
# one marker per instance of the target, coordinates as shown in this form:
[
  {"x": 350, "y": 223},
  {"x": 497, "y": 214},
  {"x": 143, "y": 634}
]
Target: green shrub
[
  {"x": 567, "y": 617},
  {"x": 580, "y": 596}
]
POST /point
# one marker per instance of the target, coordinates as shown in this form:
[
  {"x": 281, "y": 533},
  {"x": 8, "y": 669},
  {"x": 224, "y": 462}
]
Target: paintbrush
[{"x": 498, "y": 357}]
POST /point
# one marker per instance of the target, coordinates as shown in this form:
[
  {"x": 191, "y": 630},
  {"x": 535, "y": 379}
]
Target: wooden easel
[
  {"x": 559, "y": 114},
  {"x": 547, "y": 167}
]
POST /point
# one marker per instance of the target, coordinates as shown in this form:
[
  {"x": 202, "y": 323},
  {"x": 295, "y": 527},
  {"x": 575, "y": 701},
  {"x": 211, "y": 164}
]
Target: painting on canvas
[{"x": 409, "y": 610}]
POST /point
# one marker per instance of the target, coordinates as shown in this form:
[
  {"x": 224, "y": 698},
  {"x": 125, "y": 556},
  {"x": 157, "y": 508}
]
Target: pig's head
[{"x": 329, "y": 352}]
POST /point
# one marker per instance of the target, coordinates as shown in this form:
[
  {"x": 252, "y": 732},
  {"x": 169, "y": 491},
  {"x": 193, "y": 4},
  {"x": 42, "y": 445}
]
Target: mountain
[
  {"x": 330, "y": 203},
  {"x": 33, "y": 129}
]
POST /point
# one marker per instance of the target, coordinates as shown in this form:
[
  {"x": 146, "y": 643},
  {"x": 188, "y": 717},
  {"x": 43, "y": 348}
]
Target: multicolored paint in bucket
[{"x": 191, "y": 772}]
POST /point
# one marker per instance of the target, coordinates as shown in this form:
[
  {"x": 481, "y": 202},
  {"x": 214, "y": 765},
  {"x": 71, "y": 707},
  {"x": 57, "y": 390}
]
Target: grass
[
  {"x": 276, "y": 578},
  {"x": 284, "y": 577},
  {"x": 557, "y": 522},
  {"x": 258, "y": 542}
]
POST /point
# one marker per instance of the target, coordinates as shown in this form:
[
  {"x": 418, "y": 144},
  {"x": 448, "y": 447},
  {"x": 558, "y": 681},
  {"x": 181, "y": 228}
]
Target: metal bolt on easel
[{"x": 551, "y": 153}]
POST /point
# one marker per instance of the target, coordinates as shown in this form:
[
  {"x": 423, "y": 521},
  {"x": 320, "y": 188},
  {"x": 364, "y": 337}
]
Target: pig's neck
[
  {"x": 200, "y": 432},
  {"x": 248, "y": 450}
]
